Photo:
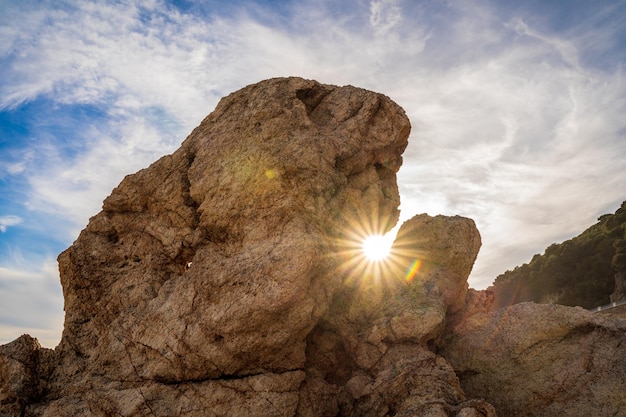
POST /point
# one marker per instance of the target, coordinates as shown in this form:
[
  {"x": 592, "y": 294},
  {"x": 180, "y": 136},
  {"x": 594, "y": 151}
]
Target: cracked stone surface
[
  {"x": 372, "y": 353},
  {"x": 223, "y": 280},
  {"x": 226, "y": 279},
  {"x": 542, "y": 360},
  {"x": 213, "y": 262}
]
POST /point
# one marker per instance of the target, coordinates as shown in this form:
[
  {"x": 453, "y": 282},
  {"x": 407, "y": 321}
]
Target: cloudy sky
[{"x": 518, "y": 111}]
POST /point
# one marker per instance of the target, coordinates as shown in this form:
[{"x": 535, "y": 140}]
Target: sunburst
[
  {"x": 368, "y": 255},
  {"x": 376, "y": 248}
]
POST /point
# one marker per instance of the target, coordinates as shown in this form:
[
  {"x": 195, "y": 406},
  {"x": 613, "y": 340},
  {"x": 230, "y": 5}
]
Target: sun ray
[
  {"x": 376, "y": 247},
  {"x": 368, "y": 256}
]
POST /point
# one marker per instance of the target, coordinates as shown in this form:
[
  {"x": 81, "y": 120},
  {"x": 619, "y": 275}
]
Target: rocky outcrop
[
  {"x": 542, "y": 360},
  {"x": 22, "y": 372},
  {"x": 213, "y": 262},
  {"x": 226, "y": 279},
  {"x": 372, "y": 353}
]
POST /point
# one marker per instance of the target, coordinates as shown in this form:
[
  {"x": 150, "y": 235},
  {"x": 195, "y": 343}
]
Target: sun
[{"x": 376, "y": 247}]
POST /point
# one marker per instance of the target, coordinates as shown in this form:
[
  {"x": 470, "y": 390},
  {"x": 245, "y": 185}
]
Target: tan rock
[
  {"x": 542, "y": 360},
  {"x": 189, "y": 271},
  {"x": 263, "y": 395},
  {"x": 227, "y": 279},
  {"x": 370, "y": 352},
  {"x": 19, "y": 363},
  {"x": 215, "y": 263},
  {"x": 446, "y": 248}
]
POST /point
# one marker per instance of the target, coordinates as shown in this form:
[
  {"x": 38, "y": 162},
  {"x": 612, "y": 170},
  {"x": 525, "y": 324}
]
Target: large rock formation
[
  {"x": 214, "y": 262},
  {"x": 225, "y": 279}
]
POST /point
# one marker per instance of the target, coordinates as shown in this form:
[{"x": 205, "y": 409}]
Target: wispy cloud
[
  {"x": 517, "y": 137},
  {"x": 7, "y": 221},
  {"x": 565, "y": 48},
  {"x": 384, "y": 15},
  {"x": 122, "y": 55},
  {"x": 75, "y": 187},
  {"x": 156, "y": 59}
]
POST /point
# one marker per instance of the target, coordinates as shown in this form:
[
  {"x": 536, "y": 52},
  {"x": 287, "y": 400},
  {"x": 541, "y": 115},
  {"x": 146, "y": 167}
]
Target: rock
[
  {"x": 227, "y": 278},
  {"x": 542, "y": 360},
  {"x": 19, "y": 363},
  {"x": 446, "y": 248},
  {"x": 189, "y": 271},
  {"x": 262, "y": 395},
  {"x": 371, "y": 353}
]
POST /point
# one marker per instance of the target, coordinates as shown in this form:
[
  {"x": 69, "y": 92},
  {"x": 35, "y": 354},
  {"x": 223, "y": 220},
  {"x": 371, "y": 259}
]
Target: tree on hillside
[{"x": 578, "y": 272}]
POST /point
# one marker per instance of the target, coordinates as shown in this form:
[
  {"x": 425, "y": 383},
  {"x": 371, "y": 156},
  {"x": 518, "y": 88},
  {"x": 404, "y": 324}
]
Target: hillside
[{"x": 578, "y": 272}]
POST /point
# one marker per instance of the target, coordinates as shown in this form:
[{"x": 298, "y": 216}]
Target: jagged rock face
[
  {"x": 370, "y": 355},
  {"x": 213, "y": 261},
  {"x": 542, "y": 360},
  {"x": 226, "y": 280},
  {"x": 19, "y": 374},
  {"x": 223, "y": 280}
]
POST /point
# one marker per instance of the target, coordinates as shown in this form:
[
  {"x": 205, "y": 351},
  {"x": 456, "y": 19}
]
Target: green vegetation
[{"x": 577, "y": 272}]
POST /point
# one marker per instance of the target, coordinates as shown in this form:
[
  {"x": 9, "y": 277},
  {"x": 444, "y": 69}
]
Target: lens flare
[
  {"x": 366, "y": 254},
  {"x": 376, "y": 247},
  {"x": 413, "y": 270}
]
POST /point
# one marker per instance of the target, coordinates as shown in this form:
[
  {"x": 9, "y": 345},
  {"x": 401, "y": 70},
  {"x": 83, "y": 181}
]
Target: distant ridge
[{"x": 586, "y": 271}]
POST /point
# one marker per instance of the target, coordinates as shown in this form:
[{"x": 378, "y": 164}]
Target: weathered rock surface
[
  {"x": 542, "y": 360},
  {"x": 20, "y": 374},
  {"x": 226, "y": 280},
  {"x": 370, "y": 354},
  {"x": 213, "y": 261}
]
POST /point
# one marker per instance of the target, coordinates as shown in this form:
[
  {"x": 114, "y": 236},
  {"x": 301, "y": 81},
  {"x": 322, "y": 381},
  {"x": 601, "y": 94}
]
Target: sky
[{"x": 517, "y": 111}]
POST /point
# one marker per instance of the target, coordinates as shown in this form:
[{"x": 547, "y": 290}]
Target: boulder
[
  {"x": 227, "y": 278},
  {"x": 373, "y": 352},
  {"x": 20, "y": 374},
  {"x": 213, "y": 262},
  {"x": 541, "y": 360}
]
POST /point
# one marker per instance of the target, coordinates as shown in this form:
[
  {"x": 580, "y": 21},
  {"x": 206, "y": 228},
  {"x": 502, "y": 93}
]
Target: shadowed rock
[
  {"x": 372, "y": 354},
  {"x": 542, "y": 360}
]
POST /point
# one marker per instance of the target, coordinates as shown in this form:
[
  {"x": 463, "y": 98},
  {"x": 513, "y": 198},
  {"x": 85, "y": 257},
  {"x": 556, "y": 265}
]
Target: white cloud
[
  {"x": 564, "y": 47},
  {"x": 32, "y": 302},
  {"x": 105, "y": 53},
  {"x": 521, "y": 140},
  {"x": 7, "y": 221},
  {"x": 74, "y": 189},
  {"x": 384, "y": 15}
]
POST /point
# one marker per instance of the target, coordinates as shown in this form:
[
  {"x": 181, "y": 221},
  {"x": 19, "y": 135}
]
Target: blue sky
[{"x": 517, "y": 110}]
